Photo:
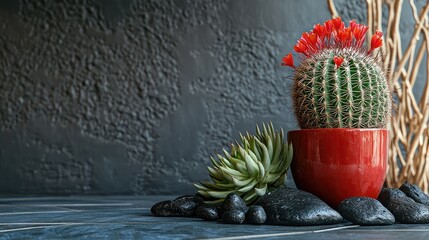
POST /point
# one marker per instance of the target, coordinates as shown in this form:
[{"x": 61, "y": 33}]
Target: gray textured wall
[{"x": 132, "y": 97}]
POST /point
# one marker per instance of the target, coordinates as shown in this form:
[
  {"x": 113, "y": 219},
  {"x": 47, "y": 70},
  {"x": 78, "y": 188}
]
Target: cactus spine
[{"x": 354, "y": 95}]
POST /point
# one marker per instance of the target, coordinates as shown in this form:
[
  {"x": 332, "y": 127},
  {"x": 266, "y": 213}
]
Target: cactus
[{"x": 338, "y": 83}]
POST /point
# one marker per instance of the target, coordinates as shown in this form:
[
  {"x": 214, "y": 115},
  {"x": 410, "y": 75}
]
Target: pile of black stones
[{"x": 289, "y": 206}]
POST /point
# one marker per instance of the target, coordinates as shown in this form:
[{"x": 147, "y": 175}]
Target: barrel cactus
[
  {"x": 251, "y": 169},
  {"x": 339, "y": 83}
]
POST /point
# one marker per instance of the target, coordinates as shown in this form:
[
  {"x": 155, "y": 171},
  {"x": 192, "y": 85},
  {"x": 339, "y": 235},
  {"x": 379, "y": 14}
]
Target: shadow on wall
[{"x": 133, "y": 97}]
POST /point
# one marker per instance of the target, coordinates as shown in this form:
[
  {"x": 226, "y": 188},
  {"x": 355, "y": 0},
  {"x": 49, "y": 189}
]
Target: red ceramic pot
[{"x": 338, "y": 163}]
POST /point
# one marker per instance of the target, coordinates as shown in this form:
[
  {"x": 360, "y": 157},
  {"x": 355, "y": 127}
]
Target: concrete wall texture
[{"x": 102, "y": 97}]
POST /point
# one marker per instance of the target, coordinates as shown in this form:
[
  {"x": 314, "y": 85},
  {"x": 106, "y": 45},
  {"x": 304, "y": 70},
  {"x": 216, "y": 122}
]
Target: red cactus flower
[
  {"x": 338, "y": 61},
  {"x": 337, "y": 23},
  {"x": 328, "y": 27},
  {"x": 344, "y": 37},
  {"x": 301, "y": 48},
  {"x": 312, "y": 38},
  {"x": 288, "y": 60},
  {"x": 376, "y": 41},
  {"x": 307, "y": 44},
  {"x": 320, "y": 31},
  {"x": 333, "y": 34},
  {"x": 353, "y": 25},
  {"x": 359, "y": 32}
]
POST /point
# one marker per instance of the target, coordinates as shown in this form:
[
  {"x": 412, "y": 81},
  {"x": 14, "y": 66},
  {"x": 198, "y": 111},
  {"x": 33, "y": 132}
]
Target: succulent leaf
[
  {"x": 261, "y": 169},
  {"x": 252, "y": 168},
  {"x": 261, "y": 191},
  {"x": 241, "y": 167},
  {"x": 241, "y": 183},
  {"x": 266, "y": 160},
  {"x": 219, "y": 194},
  {"x": 248, "y": 187}
]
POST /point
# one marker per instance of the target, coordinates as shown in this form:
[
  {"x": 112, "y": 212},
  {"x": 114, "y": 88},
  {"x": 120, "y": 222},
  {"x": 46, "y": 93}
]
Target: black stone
[
  {"x": 406, "y": 210},
  {"x": 256, "y": 215},
  {"x": 185, "y": 205},
  {"x": 232, "y": 202},
  {"x": 365, "y": 211},
  {"x": 414, "y": 192},
  {"x": 387, "y": 194},
  {"x": 206, "y": 212},
  {"x": 288, "y": 206},
  {"x": 234, "y": 216},
  {"x": 195, "y": 198},
  {"x": 163, "y": 209}
]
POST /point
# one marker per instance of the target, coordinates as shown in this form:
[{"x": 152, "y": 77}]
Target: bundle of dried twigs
[{"x": 409, "y": 131}]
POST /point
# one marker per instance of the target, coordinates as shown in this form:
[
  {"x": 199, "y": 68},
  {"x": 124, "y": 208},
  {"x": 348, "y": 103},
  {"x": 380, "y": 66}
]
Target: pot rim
[{"x": 339, "y": 130}]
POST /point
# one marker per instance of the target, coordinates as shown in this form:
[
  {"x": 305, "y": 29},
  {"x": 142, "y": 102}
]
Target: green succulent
[{"x": 251, "y": 169}]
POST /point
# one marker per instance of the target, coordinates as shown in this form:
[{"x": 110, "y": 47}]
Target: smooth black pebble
[
  {"x": 207, "y": 212},
  {"x": 234, "y": 216},
  {"x": 232, "y": 202},
  {"x": 405, "y": 209},
  {"x": 163, "y": 209},
  {"x": 414, "y": 192},
  {"x": 256, "y": 215},
  {"x": 185, "y": 205},
  {"x": 365, "y": 211},
  {"x": 288, "y": 206},
  {"x": 387, "y": 194}
]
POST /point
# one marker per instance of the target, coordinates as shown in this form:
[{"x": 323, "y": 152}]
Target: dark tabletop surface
[{"x": 129, "y": 217}]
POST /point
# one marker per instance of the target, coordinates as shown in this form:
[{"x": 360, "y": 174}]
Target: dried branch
[{"x": 332, "y": 9}]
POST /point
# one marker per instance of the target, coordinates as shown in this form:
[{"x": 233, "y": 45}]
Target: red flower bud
[
  {"x": 338, "y": 61},
  {"x": 353, "y": 25},
  {"x": 320, "y": 31},
  {"x": 376, "y": 41},
  {"x": 300, "y": 47},
  {"x": 328, "y": 27},
  {"x": 312, "y": 38},
  {"x": 344, "y": 37},
  {"x": 288, "y": 60},
  {"x": 337, "y": 23}
]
